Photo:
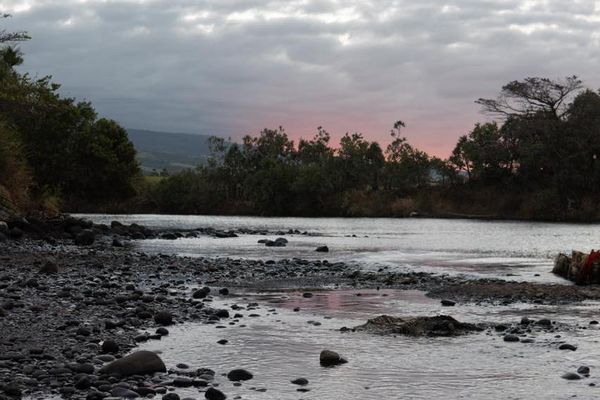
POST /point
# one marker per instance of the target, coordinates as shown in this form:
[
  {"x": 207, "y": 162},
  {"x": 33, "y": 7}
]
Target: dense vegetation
[
  {"x": 55, "y": 151},
  {"x": 539, "y": 160}
]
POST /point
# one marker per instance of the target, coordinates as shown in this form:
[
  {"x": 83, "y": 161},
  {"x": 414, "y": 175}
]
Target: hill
[{"x": 167, "y": 150}]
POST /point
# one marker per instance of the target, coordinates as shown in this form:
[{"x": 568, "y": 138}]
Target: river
[{"x": 283, "y": 344}]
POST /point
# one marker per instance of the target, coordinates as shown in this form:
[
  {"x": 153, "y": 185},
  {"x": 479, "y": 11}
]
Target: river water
[
  {"x": 510, "y": 250},
  {"x": 282, "y": 344}
]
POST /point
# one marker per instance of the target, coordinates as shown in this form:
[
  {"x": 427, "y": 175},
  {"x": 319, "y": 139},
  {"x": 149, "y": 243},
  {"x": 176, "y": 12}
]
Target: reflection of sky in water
[
  {"x": 511, "y": 250},
  {"x": 281, "y": 345}
]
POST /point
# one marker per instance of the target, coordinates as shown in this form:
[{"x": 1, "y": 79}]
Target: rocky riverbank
[{"x": 66, "y": 310}]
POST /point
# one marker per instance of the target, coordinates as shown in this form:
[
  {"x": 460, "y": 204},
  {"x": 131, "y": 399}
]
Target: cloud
[{"x": 232, "y": 67}]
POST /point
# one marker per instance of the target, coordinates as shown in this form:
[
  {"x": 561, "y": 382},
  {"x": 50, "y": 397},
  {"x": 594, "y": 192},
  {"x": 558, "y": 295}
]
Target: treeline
[
  {"x": 539, "y": 162},
  {"x": 54, "y": 151}
]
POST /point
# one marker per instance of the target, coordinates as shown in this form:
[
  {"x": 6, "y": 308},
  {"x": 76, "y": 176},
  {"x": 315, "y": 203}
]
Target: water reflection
[{"x": 281, "y": 345}]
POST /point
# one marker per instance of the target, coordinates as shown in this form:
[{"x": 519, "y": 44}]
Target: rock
[
  {"x": 83, "y": 331},
  {"x": 576, "y": 268},
  {"x": 49, "y": 267},
  {"x": 329, "y": 358},
  {"x": 307, "y": 295},
  {"x": 122, "y": 392},
  {"x": 3, "y": 227},
  {"x": 561, "y": 265},
  {"x": 139, "y": 363},
  {"x": 163, "y": 318},
  {"x": 214, "y": 394},
  {"x": 322, "y": 249},
  {"x": 239, "y": 375},
  {"x": 448, "y": 303},
  {"x": 85, "y": 238},
  {"x": 511, "y": 338},
  {"x": 117, "y": 243},
  {"x": 300, "y": 381},
  {"x": 571, "y": 376},
  {"x": 544, "y": 322},
  {"x": 583, "y": 370},
  {"x": 110, "y": 346},
  {"x": 441, "y": 325},
  {"x": 567, "y": 346},
  {"x": 171, "y": 396},
  {"x": 162, "y": 331},
  {"x": 224, "y": 291},
  {"x": 223, "y": 341},
  {"x": 15, "y": 233},
  {"x": 83, "y": 383},
  {"x": 12, "y": 389},
  {"x": 168, "y": 236},
  {"x": 201, "y": 293},
  {"x": 224, "y": 235},
  {"x": 279, "y": 242},
  {"x": 182, "y": 381}
]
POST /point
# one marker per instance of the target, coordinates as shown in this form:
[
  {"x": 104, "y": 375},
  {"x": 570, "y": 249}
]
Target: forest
[{"x": 537, "y": 160}]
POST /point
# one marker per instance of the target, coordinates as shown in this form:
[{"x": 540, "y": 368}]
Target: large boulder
[
  {"x": 572, "y": 268},
  {"x": 139, "y": 363},
  {"x": 441, "y": 325}
]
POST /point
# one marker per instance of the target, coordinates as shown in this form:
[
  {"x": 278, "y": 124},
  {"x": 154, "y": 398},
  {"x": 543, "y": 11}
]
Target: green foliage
[{"x": 68, "y": 150}]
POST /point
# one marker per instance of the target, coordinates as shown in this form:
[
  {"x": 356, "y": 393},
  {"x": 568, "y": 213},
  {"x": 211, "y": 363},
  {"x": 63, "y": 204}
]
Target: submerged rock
[
  {"x": 139, "y": 363},
  {"x": 441, "y": 325}
]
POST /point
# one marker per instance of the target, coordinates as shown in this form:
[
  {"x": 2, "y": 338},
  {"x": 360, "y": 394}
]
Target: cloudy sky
[{"x": 232, "y": 67}]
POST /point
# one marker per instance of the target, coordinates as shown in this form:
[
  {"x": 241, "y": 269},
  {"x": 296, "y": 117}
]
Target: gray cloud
[{"x": 232, "y": 67}]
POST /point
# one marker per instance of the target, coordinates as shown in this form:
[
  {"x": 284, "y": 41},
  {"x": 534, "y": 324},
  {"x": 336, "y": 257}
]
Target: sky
[{"x": 233, "y": 67}]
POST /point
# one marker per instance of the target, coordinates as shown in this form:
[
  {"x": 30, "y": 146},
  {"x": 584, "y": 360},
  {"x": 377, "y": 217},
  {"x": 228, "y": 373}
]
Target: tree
[
  {"x": 8, "y": 37},
  {"x": 533, "y": 96}
]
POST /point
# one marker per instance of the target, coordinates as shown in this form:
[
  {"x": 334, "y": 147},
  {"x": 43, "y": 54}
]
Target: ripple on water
[{"x": 281, "y": 346}]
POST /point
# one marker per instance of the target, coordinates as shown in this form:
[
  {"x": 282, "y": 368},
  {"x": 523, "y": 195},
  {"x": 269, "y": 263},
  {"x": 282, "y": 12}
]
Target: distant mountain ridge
[{"x": 169, "y": 150}]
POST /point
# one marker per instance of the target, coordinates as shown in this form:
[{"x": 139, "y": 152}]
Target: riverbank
[{"x": 61, "y": 303}]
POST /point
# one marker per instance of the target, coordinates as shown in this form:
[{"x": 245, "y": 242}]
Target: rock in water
[
  {"x": 239, "y": 375},
  {"x": 571, "y": 376},
  {"x": 511, "y": 338},
  {"x": 214, "y": 394},
  {"x": 330, "y": 358},
  {"x": 583, "y": 370},
  {"x": 567, "y": 346},
  {"x": 441, "y": 325},
  {"x": 322, "y": 249},
  {"x": 139, "y": 363}
]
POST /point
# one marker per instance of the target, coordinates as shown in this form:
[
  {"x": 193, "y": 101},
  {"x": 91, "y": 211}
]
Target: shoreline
[{"x": 60, "y": 302}]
